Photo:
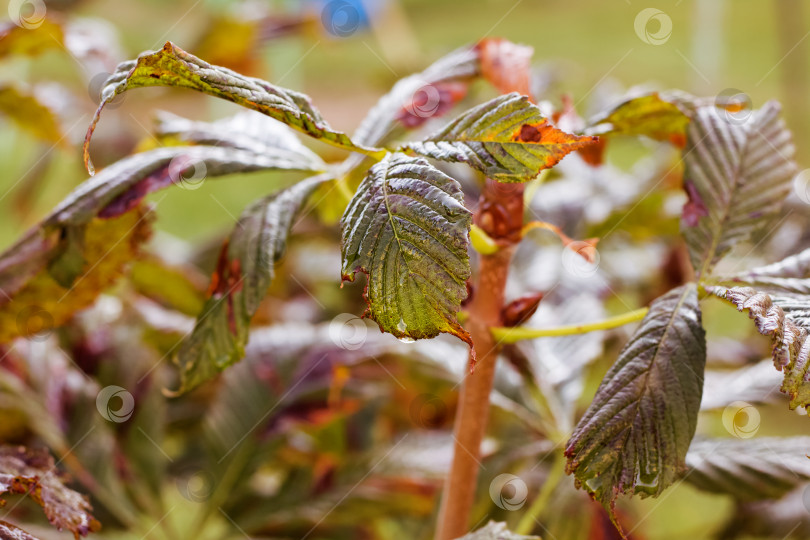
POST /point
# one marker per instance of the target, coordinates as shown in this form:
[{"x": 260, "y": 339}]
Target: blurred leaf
[
  {"x": 756, "y": 383},
  {"x": 749, "y": 469},
  {"x": 231, "y": 42},
  {"x": 58, "y": 240},
  {"x": 789, "y": 276},
  {"x": 10, "y": 532},
  {"x": 41, "y": 302},
  {"x": 781, "y": 519},
  {"x": 506, "y": 65},
  {"x": 30, "y": 114},
  {"x": 419, "y": 97},
  {"x": 172, "y": 66},
  {"x": 635, "y": 434},
  {"x": 244, "y": 272},
  {"x": 330, "y": 201},
  {"x": 33, "y": 473},
  {"x": 495, "y": 531},
  {"x": 16, "y": 39},
  {"x": 506, "y": 138},
  {"x": 786, "y": 318},
  {"x": 407, "y": 229},
  {"x": 124, "y": 183},
  {"x": 646, "y": 115},
  {"x": 246, "y": 131},
  {"x": 173, "y": 286},
  {"x": 736, "y": 176}
]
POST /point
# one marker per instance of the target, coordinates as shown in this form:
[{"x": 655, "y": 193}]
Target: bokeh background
[{"x": 589, "y": 50}]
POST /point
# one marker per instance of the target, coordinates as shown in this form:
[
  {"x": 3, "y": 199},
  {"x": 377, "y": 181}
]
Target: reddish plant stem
[{"x": 500, "y": 215}]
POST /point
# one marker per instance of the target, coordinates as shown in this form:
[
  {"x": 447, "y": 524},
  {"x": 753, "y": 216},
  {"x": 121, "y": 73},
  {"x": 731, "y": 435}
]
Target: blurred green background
[{"x": 588, "y": 49}]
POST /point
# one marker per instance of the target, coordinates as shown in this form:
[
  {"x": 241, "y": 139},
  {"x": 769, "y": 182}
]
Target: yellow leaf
[{"x": 41, "y": 304}]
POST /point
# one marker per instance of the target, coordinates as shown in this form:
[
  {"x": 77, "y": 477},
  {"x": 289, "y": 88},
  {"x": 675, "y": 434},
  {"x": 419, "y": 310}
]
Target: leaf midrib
[
  {"x": 726, "y": 211},
  {"x": 667, "y": 327}
]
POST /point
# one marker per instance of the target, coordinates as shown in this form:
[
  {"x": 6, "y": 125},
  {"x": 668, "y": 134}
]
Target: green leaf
[
  {"x": 419, "y": 97},
  {"x": 408, "y": 230},
  {"x": 736, "y": 175},
  {"x": 636, "y": 432},
  {"x": 172, "y": 66},
  {"x": 786, "y": 318},
  {"x": 506, "y": 138},
  {"x": 33, "y": 473},
  {"x": 495, "y": 531},
  {"x": 749, "y": 469},
  {"x": 649, "y": 115},
  {"x": 244, "y": 272}
]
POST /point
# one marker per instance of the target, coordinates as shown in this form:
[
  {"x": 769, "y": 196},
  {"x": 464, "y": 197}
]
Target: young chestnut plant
[{"x": 408, "y": 229}]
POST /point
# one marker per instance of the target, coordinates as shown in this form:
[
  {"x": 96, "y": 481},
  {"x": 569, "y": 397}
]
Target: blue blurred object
[{"x": 343, "y": 18}]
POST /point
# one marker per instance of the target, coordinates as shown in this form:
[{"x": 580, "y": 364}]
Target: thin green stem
[
  {"x": 513, "y": 335},
  {"x": 555, "y": 473}
]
